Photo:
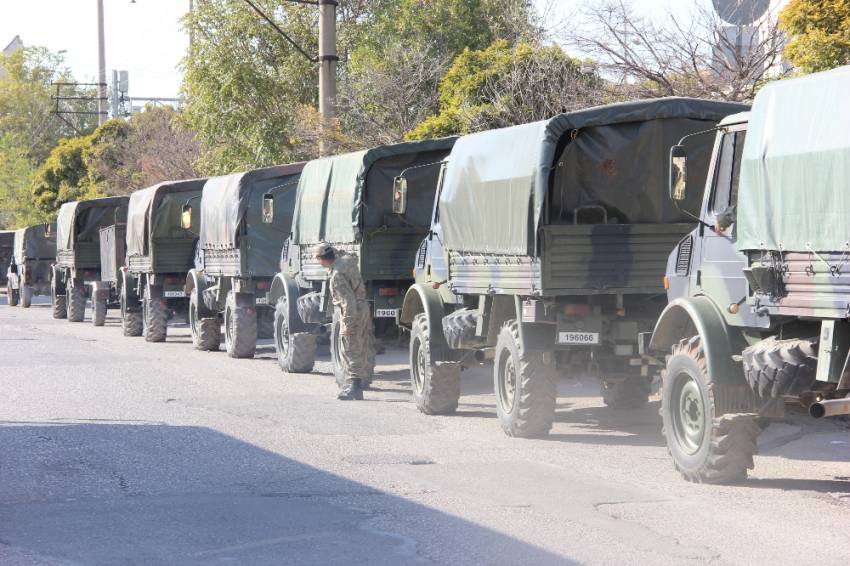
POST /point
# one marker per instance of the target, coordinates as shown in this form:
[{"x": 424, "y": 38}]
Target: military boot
[{"x": 352, "y": 391}]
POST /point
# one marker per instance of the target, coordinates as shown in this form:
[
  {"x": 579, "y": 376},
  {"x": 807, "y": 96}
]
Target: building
[{"x": 13, "y": 46}]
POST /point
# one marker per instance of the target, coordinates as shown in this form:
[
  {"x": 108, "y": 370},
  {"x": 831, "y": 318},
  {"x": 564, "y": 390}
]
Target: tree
[
  {"x": 63, "y": 177},
  {"x": 698, "y": 57},
  {"x": 251, "y": 97},
  {"x": 505, "y": 85},
  {"x": 818, "y": 32},
  {"x": 15, "y": 170}
]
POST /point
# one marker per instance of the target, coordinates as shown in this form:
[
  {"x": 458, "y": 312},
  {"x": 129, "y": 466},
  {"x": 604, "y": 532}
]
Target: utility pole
[
  {"x": 327, "y": 60},
  {"x": 101, "y": 67}
]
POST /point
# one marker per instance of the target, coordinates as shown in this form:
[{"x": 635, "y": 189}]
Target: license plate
[
  {"x": 386, "y": 313},
  {"x": 262, "y": 300},
  {"x": 172, "y": 294},
  {"x": 579, "y": 338}
]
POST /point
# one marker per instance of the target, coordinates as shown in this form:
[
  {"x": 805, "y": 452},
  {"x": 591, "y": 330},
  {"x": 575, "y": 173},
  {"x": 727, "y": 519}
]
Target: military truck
[
  {"x": 245, "y": 218},
  {"x": 545, "y": 255},
  {"x": 105, "y": 293},
  {"x": 29, "y": 272},
  {"x": 161, "y": 248},
  {"x": 7, "y": 247},
  {"x": 349, "y": 201},
  {"x": 77, "y": 272},
  {"x": 759, "y": 291}
]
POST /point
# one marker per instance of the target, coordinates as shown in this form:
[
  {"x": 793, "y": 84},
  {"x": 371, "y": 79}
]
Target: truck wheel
[
  {"x": 525, "y": 386},
  {"x": 26, "y": 296},
  {"x": 435, "y": 384},
  {"x": 76, "y": 299},
  {"x": 775, "y": 368},
  {"x": 265, "y": 323},
  {"x": 206, "y": 332},
  {"x": 11, "y": 295},
  {"x": 98, "y": 312},
  {"x": 131, "y": 321},
  {"x": 59, "y": 304},
  {"x": 296, "y": 352},
  {"x": 156, "y": 319},
  {"x": 240, "y": 328},
  {"x": 459, "y": 329},
  {"x": 706, "y": 447},
  {"x": 632, "y": 393}
]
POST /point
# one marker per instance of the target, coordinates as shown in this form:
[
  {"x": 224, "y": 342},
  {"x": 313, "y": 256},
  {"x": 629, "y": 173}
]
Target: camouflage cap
[{"x": 324, "y": 251}]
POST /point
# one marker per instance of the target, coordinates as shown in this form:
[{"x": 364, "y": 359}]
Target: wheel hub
[
  {"x": 689, "y": 415},
  {"x": 508, "y": 384},
  {"x": 419, "y": 368}
]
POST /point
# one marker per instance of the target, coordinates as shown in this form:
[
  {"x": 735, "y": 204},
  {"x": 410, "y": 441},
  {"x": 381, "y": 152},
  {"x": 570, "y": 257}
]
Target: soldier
[{"x": 355, "y": 332}]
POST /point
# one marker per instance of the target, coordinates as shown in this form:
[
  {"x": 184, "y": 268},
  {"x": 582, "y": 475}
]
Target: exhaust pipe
[{"x": 830, "y": 408}]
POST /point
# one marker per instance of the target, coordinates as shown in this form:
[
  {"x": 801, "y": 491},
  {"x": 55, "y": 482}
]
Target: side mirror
[
  {"x": 399, "y": 195},
  {"x": 678, "y": 172},
  {"x": 186, "y": 217},
  {"x": 268, "y": 208}
]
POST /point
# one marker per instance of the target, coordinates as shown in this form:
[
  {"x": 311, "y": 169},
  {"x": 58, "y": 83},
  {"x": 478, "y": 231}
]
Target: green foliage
[
  {"x": 819, "y": 32},
  {"x": 504, "y": 85},
  {"x": 15, "y": 170},
  {"x": 244, "y": 83},
  {"x": 63, "y": 177}
]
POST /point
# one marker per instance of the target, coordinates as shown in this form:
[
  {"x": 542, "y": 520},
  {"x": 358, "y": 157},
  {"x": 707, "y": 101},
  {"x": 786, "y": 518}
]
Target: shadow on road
[
  {"x": 119, "y": 493},
  {"x": 820, "y": 486}
]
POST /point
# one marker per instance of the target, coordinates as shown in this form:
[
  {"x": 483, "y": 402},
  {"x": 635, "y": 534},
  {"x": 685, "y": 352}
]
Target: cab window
[{"x": 727, "y": 175}]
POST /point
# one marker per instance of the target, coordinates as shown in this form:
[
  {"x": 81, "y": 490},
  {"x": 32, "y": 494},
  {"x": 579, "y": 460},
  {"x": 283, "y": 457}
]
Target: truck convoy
[
  {"x": 29, "y": 271},
  {"x": 349, "y": 201},
  {"x": 760, "y": 291},
  {"x": 76, "y": 276},
  {"x": 544, "y": 255},
  {"x": 161, "y": 248},
  {"x": 540, "y": 248},
  {"x": 245, "y": 218}
]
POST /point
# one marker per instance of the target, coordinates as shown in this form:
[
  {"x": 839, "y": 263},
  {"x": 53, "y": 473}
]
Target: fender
[
  {"x": 686, "y": 317},
  {"x": 419, "y": 299},
  {"x": 195, "y": 280},
  {"x": 284, "y": 287},
  {"x": 57, "y": 280}
]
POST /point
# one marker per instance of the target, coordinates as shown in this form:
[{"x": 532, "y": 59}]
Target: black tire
[
  {"x": 206, "y": 331},
  {"x": 12, "y": 296},
  {"x": 265, "y": 323},
  {"x": 98, "y": 312},
  {"x": 339, "y": 366},
  {"x": 26, "y": 296},
  {"x": 775, "y": 368},
  {"x": 525, "y": 386},
  {"x": 156, "y": 319},
  {"x": 296, "y": 352},
  {"x": 240, "y": 328},
  {"x": 131, "y": 320},
  {"x": 435, "y": 384},
  {"x": 632, "y": 393},
  {"x": 706, "y": 446},
  {"x": 76, "y": 300},
  {"x": 58, "y": 304},
  {"x": 459, "y": 329}
]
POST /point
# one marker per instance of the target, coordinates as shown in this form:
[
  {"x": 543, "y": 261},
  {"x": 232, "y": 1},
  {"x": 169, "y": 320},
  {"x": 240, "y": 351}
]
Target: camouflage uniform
[{"x": 349, "y": 298}]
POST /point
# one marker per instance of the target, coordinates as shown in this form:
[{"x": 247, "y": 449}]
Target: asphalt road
[{"x": 116, "y": 451}]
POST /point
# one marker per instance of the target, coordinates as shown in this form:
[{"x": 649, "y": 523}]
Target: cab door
[{"x": 720, "y": 272}]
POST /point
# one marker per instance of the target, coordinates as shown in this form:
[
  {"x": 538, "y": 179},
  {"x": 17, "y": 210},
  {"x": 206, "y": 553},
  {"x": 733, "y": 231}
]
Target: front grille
[{"x": 683, "y": 258}]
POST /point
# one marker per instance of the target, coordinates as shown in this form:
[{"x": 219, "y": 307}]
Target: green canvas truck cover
[
  {"x": 494, "y": 192},
  {"x": 794, "y": 192},
  {"x": 35, "y": 242},
  {"x": 155, "y": 212},
  {"x": 332, "y": 201},
  {"x": 233, "y": 204},
  {"x": 89, "y": 216}
]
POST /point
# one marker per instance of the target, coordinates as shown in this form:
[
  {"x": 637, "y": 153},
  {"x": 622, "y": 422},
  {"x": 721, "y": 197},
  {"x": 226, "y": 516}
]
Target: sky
[{"x": 144, "y": 37}]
